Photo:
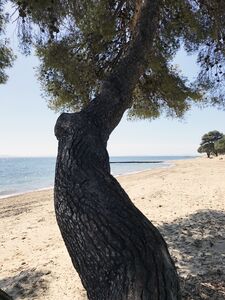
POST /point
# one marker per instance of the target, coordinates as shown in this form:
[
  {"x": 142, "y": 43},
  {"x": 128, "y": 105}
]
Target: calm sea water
[{"x": 19, "y": 175}]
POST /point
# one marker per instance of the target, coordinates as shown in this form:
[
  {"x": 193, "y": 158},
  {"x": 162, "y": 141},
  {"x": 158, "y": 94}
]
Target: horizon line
[{"x": 129, "y": 155}]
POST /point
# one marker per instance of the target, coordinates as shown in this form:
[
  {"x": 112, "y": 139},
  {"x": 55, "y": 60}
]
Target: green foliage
[
  {"x": 207, "y": 148},
  {"x": 211, "y": 137},
  {"x": 220, "y": 145},
  {"x": 208, "y": 142},
  {"x": 6, "y": 55},
  {"x": 66, "y": 76},
  {"x": 80, "y": 42},
  {"x": 162, "y": 90}
]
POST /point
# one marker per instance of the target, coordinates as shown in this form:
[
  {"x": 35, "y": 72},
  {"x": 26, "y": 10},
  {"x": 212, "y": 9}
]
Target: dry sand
[{"x": 186, "y": 202}]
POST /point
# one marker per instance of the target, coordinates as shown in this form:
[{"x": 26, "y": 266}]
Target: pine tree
[
  {"x": 220, "y": 145},
  {"x": 6, "y": 55},
  {"x": 100, "y": 58},
  {"x": 208, "y": 142}
]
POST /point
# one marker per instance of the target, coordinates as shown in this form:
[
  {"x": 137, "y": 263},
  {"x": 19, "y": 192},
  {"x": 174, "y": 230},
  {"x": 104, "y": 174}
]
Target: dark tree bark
[
  {"x": 4, "y": 295},
  {"x": 117, "y": 252}
]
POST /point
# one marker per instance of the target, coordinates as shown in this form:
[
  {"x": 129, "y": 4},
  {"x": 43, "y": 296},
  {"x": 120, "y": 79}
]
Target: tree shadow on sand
[
  {"x": 197, "y": 245},
  {"x": 27, "y": 284}
]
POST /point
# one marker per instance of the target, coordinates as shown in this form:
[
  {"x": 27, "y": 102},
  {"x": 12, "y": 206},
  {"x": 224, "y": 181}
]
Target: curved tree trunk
[{"x": 117, "y": 252}]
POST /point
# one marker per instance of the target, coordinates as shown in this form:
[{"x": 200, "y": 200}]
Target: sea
[{"x": 24, "y": 174}]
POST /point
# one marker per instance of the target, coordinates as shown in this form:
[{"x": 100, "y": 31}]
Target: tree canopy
[
  {"x": 207, "y": 148},
  {"x": 6, "y": 55},
  {"x": 103, "y": 57},
  {"x": 80, "y": 42},
  {"x": 220, "y": 145},
  {"x": 211, "y": 137},
  {"x": 209, "y": 141}
]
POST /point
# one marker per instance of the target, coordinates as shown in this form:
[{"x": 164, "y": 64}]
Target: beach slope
[{"x": 185, "y": 201}]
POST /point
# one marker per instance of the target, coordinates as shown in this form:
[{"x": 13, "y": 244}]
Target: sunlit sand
[{"x": 186, "y": 202}]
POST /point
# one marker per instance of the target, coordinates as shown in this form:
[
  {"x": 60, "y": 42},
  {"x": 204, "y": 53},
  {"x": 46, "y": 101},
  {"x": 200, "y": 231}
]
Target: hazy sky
[{"x": 27, "y": 124}]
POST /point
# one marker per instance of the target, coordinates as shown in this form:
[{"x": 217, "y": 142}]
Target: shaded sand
[{"x": 186, "y": 202}]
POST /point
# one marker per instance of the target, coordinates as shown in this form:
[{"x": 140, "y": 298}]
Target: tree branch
[{"x": 115, "y": 97}]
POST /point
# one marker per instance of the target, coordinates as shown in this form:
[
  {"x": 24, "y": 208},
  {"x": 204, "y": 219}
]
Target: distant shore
[{"x": 186, "y": 202}]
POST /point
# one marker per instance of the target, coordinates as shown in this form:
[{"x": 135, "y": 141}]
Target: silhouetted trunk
[
  {"x": 4, "y": 295},
  {"x": 117, "y": 252},
  {"x": 208, "y": 154}
]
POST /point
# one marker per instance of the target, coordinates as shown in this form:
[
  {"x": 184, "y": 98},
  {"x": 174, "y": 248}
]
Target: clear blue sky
[{"x": 27, "y": 123}]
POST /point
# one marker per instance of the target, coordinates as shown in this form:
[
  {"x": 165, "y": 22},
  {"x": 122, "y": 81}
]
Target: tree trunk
[
  {"x": 117, "y": 252},
  {"x": 4, "y": 295}
]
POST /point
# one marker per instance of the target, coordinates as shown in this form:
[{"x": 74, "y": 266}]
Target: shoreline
[
  {"x": 186, "y": 202},
  {"x": 144, "y": 170},
  {"x": 26, "y": 192},
  {"x": 164, "y": 164}
]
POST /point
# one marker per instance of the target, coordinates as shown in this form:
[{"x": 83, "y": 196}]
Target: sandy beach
[{"x": 185, "y": 201}]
